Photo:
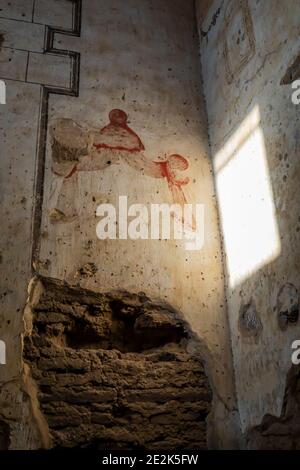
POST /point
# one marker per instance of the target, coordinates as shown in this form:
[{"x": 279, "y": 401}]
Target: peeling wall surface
[
  {"x": 105, "y": 101},
  {"x": 249, "y": 53}
]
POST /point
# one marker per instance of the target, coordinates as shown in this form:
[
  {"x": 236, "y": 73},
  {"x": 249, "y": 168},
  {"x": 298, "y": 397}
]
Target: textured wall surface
[
  {"x": 282, "y": 432},
  {"x": 65, "y": 73},
  {"x": 249, "y": 57},
  {"x": 115, "y": 372}
]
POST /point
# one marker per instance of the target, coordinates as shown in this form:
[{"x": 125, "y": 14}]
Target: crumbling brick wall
[{"x": 113, "y": 371}]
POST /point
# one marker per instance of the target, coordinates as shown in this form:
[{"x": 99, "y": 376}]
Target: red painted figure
[
  {"x": 117, "y": 135},
  {"x": 114, "y": 142}
]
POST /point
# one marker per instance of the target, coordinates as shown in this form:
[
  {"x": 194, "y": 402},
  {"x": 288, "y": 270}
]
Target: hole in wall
[
  {"x": 250, "y": 324},
  {"x": 114, "y": 371}
]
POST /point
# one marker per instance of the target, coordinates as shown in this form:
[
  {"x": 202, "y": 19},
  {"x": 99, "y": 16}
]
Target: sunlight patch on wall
[{"x": 246, "y": 202}]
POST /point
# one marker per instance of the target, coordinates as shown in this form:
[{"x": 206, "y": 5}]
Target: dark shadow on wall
[
  {"x": 4, "y": 436},
  {"x": 277, "y": 277},
  {"x": 282, "y": 433},
  {"x": 253, "y": 162}
]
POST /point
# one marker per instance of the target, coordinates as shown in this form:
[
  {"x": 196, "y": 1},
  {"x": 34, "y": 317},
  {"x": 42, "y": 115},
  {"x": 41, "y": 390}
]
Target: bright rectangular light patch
[{"x": 246, "y": 201}]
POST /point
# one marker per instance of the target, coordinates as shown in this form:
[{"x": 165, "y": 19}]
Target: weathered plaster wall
[
  {"x": 246, "y": 50},
  {"x": 140, "y": 57},
  {"x": 19, "y": 123}
]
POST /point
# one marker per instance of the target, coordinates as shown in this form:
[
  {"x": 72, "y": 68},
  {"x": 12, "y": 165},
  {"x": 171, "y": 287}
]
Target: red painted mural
[
  {"x": 97, "y": 149},
  {"x": 117, "y": 135}
]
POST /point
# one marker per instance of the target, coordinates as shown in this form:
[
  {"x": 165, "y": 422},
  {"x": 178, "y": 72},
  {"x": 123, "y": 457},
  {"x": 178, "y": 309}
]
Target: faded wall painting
[
  {"x": 76, "y": 148},
  {"x": 239, "y": 44}
]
